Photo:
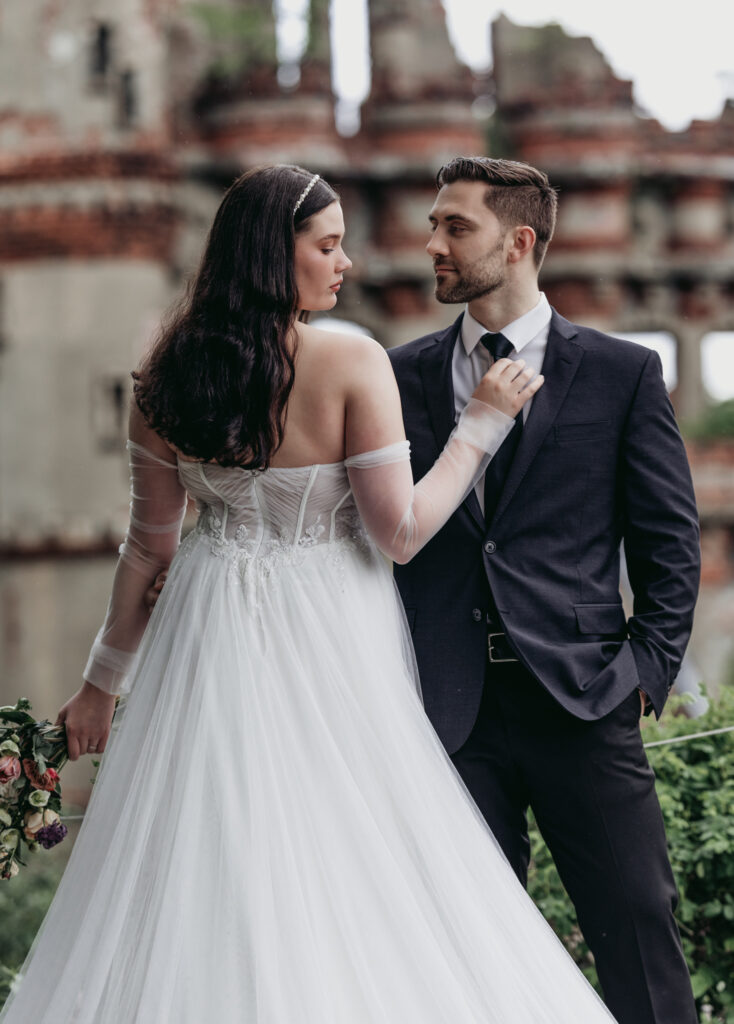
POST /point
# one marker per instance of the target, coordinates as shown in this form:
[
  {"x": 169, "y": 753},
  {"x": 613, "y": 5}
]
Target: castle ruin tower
[
  {"x": 87, "y": 228},
  {"x": 420, "y": 102}
]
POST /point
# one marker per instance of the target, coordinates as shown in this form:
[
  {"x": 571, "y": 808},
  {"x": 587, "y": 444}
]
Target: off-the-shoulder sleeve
[
  {"x": 401, "y": 517},
  {"x": 157, "y": 508}
]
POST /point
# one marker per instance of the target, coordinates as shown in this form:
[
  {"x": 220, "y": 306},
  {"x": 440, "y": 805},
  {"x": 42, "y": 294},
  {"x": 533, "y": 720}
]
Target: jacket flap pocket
[{"x": 600, "y": 618}]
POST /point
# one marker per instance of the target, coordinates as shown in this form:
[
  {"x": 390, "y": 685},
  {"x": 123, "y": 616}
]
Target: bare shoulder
[
  {"x": 339, "y": 344},
  {"x": 348, "y": 357},
  {"x": 355, "y": 372}
]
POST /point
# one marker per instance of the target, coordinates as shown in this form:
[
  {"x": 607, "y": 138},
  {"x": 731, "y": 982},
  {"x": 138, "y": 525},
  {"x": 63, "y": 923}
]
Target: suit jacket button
[
  {"x": 477, "y": 614},
  {"x": 490, "y": 547}
]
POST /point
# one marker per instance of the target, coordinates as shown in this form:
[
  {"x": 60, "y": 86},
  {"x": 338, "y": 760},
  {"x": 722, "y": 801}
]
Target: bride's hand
[
  {"x": 87, "y": 717},
  {"x": 154, "y": 592},
  {"x": 507, "y": 386}
]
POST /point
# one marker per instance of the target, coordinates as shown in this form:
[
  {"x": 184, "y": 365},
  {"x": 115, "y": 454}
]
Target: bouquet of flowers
[{"x": 31, "y": 755}]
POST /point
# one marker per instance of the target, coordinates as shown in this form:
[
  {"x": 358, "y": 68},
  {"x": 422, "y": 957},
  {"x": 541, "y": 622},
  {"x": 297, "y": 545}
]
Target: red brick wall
[{"x": 130, "y": 233}]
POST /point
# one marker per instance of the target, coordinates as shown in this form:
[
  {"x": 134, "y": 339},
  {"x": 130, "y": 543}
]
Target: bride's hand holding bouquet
[
  {"x": 31, "y": 756},
  {"x": 87, "y": 717}
]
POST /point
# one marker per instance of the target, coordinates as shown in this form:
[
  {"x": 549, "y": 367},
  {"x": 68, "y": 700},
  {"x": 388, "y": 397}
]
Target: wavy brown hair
[{"x": 216, "y": 383}]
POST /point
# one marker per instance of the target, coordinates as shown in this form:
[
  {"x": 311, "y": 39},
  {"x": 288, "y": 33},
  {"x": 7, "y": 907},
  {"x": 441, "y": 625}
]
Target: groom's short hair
[{"x": 517, "y": 193}]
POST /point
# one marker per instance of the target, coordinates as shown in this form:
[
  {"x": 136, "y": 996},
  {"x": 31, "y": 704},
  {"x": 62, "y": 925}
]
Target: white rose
[
  {"x": 9, "y": 749},
  {"x": 5, "y": 818},
  {"x": 38, "y": 798},
  {"x": 7, "y": 790},
  {"x": 9, "y": 838}
]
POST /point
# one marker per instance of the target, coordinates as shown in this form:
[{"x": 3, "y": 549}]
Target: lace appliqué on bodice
[{"x": 262, "y": 523}]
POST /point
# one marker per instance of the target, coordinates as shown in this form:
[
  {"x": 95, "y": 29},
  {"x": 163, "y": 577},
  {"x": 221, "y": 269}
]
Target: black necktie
[{"x": 499, "y": 347}]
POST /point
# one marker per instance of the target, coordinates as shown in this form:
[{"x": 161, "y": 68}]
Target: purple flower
[{"x": 50, "y": 835}]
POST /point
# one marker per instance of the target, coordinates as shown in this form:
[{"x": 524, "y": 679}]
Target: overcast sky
[{"x": 680, "y": 56}]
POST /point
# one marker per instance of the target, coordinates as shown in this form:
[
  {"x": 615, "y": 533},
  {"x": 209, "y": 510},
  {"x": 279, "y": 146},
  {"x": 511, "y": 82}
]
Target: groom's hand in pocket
[{"x": 153, "y": 592}]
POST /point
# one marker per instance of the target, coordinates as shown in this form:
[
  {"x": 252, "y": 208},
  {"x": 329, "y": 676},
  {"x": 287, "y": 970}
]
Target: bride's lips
[{"x": 336, "y": 287}]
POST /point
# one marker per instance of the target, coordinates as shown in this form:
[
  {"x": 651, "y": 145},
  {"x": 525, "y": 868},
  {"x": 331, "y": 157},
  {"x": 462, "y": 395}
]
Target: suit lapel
[
  {"x": 560, "y": 363},
  {"x": 438, "y": 384},
  {"x": 438, "y": 389}
]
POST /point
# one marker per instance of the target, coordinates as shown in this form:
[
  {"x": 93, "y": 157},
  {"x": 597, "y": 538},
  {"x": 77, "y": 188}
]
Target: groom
[{"x": 532, "y": 675}]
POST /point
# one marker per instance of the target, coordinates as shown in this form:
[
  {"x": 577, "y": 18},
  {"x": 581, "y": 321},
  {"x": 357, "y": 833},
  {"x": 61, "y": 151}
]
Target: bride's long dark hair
[{"x": 216, "y": 383}]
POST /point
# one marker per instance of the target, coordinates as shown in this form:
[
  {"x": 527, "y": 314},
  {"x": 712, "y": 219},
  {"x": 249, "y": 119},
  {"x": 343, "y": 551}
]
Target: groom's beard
[{"x": 482, "y": 277}]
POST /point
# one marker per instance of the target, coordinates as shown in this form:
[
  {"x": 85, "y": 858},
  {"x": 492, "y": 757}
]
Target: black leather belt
[{"x": 499, "y": 649}]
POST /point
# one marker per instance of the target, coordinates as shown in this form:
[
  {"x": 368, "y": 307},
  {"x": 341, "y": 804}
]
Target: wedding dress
[{"x": 276, "y": 835}]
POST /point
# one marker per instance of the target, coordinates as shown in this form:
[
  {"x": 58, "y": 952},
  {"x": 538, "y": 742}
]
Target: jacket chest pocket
[{"x": 576, "y": 433}]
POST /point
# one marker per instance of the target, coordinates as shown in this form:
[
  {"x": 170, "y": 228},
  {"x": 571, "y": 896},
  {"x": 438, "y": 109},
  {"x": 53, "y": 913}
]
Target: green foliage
[
  {"x": 240, "y": 37},
  {"x": 696, "y": 788},
  {"x": 716, "y": 423},
  {"x": 24, "y": 901},
  {"x": 695, "y": 785}
]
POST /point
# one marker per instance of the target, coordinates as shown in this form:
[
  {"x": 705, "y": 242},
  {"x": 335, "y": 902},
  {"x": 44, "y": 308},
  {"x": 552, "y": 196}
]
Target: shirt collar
[{"x": 520, "y": 332}]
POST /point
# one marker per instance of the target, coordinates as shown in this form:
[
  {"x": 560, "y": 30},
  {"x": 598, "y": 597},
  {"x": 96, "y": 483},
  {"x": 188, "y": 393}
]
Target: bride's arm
[
  {"x": 157, "y": 507},
  {"x": 400, "y": 516}
]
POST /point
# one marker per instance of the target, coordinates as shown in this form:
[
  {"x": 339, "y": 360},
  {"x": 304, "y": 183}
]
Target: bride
[{"x": 276, "y": 835}]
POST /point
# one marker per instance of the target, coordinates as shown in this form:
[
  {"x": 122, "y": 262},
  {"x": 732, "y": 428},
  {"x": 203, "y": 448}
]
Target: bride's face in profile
[{"x": 320, "y": 260}]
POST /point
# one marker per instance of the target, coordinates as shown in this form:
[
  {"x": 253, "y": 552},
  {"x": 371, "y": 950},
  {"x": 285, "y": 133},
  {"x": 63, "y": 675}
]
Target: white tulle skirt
[{"x": 276, "y": 835}]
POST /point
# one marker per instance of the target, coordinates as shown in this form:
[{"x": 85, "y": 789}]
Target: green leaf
[
  {"x": 16, "y": 717},
  {"x": 701, "y": 982}
]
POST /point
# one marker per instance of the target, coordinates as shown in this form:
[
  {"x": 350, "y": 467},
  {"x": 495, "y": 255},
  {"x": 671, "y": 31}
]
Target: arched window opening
[{"x": 100, "y": 54}]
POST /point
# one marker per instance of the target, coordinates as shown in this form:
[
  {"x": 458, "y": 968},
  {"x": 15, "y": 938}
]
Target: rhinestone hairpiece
[{"x": 305, "y": 192}]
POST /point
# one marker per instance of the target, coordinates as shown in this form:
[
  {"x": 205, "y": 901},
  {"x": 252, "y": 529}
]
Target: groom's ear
[{"x": 522, "y": 243}]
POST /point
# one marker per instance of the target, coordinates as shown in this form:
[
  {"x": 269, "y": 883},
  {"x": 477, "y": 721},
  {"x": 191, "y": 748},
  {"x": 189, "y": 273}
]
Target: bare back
[{"x": 344, "y": 400}]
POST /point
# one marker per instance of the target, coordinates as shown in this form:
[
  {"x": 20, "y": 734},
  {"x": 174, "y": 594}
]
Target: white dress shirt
[{"x": 471, "y": 360}]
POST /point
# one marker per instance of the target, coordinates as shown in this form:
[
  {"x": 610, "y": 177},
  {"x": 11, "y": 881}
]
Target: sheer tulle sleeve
[
  {"x": 157, "y": 508},
  {"x": 401, "y": 517}
]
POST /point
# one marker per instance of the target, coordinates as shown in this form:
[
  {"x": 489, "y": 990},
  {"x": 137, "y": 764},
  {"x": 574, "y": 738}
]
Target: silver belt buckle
[{"x": 496, "y": 661}]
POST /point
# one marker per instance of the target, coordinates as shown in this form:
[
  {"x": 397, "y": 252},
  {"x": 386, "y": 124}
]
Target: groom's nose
[{"x": 437, "y": 245}]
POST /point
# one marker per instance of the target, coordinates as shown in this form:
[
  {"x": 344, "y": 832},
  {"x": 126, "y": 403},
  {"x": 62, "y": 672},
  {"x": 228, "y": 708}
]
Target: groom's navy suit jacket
[{"x": 600, "y": 461}]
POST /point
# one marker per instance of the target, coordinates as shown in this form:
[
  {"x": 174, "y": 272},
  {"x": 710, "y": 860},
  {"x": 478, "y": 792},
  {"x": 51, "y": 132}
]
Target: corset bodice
[{"x": 277, "y": 508}]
